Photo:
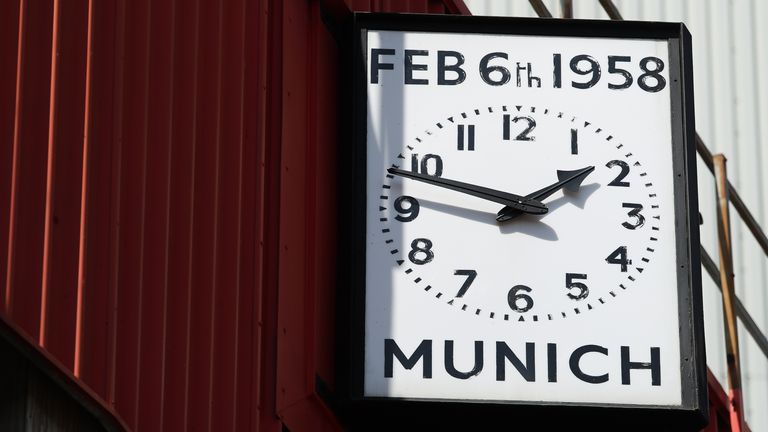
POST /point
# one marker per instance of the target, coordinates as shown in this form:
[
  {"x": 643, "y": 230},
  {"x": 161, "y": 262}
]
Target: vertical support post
[
  {"x": 729, "y": 295},
  {"x": 566, "y": 7}
]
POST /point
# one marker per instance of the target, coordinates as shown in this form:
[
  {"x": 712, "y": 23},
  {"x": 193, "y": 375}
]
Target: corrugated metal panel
[
  {"x": 167, "y": 198},
  {"x": 730, "y": 58},
  {"x": 133, "y": 182}
]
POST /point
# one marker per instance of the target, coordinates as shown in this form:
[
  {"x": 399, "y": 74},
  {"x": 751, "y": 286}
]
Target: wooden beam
[
  {"x": 611, "y": 10},
  {"x": 729, "y": 295},
  {"x": 540, "y": 8}
]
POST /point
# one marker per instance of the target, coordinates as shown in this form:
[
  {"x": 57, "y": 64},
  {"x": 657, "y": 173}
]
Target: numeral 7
[{"x": 471, "y": 275}]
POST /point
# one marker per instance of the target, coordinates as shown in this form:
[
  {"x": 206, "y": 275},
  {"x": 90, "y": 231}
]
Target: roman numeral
[{"x": 467, "y": 138}]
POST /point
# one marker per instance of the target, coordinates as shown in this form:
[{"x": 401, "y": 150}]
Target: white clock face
[
  {"x": 578, "y": 304},
  {"x": 592, "y": 245}
]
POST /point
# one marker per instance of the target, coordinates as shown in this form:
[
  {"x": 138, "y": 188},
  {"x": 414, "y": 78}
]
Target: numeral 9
[
  {"x": 594, "y": 69},
  {"x": 408, "y": 212}
]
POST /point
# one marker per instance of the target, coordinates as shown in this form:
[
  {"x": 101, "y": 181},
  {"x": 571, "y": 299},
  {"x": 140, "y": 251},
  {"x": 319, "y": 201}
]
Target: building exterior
[{"x": 168, "y": 198}]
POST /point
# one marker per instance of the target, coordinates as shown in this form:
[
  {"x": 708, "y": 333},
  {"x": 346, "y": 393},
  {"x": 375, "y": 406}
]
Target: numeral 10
[{"x": 430, "y": 164}]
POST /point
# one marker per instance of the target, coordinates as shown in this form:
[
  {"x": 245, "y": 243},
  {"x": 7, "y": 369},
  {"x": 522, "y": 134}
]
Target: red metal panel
[
  {"x": 116, "y": 205},
  {"x": 94, "y": 363},
  {"x": 270, "y": 169},
  {"x": 9, "y": 49},
  {"x": 94, "y": 288},
  {"x": 30, "y": 144},
  {"x": 177, "y": 320},
  {"x": 224, "y": 352},
  {"x": 205, "y": 203},
  {"x": 295, "y": 378},
  {"x": 323, "y": 196},
  {"x": 254, "y": 409},
  {"x": 156, "y": 216},
  {"x": 63, "y": 183},
  {"x": 251, "y": 260},
  {"x": 132, "y": 184},
  {"x": 81, "y": 253}
]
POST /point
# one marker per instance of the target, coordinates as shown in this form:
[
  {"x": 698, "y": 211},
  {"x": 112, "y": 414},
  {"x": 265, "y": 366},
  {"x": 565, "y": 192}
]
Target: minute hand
[
  {"x": 512, "y": 201},
  {"x": 570, "y": 180}
]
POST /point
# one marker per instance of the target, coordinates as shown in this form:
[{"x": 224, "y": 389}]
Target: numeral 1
[{"x": 574, "y": 142}]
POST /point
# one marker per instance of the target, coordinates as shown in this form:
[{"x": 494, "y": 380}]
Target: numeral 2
[{"x": 624, "y": 172}]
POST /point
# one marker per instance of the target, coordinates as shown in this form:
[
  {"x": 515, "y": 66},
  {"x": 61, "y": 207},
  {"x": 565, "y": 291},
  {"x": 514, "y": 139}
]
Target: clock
[
  {"x": 520, "y": 207},
  {"x": 597, "y": 233}
]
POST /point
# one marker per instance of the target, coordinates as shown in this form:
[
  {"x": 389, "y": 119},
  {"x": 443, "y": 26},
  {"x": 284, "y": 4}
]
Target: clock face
[
  {"x": 525, "y": 202},
  {"x": 592, "y": 246}
]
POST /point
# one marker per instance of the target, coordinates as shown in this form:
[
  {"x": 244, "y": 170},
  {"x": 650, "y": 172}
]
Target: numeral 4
[{"x": 619, "y": 256}]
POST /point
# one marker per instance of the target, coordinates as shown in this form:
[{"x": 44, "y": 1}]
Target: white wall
[{"x": 731, "y": 94}]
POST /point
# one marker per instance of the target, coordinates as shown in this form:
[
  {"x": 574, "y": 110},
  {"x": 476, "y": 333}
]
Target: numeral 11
[{"x": 470, "y": 139}]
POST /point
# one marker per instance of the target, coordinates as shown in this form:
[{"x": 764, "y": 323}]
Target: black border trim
[{"x": 693, "y": 412}]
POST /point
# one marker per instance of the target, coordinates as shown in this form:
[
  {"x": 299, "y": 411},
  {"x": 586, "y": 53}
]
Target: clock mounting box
[{"x": 594, "y": 306}]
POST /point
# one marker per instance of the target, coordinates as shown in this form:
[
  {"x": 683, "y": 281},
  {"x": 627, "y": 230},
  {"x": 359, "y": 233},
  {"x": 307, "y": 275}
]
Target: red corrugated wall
[{"x": 167, "y": 200}]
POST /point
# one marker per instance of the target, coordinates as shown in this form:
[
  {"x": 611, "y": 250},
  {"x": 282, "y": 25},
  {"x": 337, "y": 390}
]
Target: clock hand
[
  {"x": 516, "y": 202},
  {"x": 570, "y": 180}
]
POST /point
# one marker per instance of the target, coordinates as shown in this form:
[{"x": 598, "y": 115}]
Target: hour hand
[
  {"x": 515, "y": 202},
  {"x": 570, "y": 180}
]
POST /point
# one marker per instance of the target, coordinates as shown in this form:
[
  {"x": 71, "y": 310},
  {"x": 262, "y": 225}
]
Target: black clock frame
[{"x": 377, "y": 413}]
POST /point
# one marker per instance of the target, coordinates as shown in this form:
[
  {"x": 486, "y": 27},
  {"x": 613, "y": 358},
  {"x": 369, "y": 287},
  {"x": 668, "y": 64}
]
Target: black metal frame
[{"x": 693, "y": 412}]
